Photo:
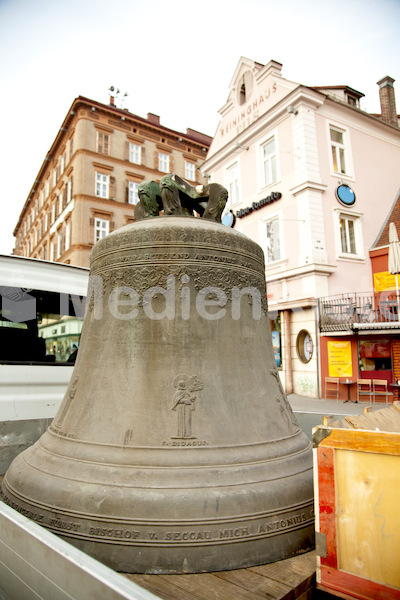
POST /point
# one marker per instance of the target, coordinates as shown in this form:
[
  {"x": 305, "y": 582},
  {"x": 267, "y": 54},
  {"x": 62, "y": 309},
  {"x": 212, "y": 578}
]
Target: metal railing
[{"x": 345, "y": 311}]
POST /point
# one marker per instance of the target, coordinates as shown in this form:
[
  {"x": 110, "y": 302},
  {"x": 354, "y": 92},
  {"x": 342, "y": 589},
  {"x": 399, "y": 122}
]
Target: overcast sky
[{"x": 174, "y": 58}]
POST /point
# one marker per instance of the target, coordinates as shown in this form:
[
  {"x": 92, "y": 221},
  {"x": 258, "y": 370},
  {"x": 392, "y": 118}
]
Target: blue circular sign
[
  {"x": 345, "y": 195},
  {"x": 229, "y": 219}
]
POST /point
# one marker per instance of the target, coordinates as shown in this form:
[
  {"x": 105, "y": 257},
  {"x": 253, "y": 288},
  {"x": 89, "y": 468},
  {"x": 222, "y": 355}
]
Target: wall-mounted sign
[
  {"x": 256, "y": 205},
  {"x": 384, "y": 281},
  {"x": 345, "y": 195},
  {"x": 339, "y": 359},
  {"x": 229, "y": 219}
]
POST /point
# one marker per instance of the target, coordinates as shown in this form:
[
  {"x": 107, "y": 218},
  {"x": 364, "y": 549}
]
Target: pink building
[{"x": 311, "y": 178}]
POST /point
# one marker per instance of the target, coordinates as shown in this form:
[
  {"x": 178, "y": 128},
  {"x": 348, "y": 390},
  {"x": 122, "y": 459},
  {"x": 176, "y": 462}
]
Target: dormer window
[{"x": 351, "y": 100}]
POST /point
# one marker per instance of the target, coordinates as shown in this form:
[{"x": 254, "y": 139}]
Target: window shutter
[
  {"x": 91, "y": 222},
  {"x": 112, "y": 226},
  {"x": 112, "y": 188},
  {"x": 65, "y": 198},
  {"x": 106, "y": 143},
  {"x": 143, "y": 155},
  {"x": 127, "y": 151},
  {"x": 156, "y": 165},
  {"x": 127, "y": 193},
  {"x": 99, "y": 143},
  {"x": 171, "y": 164}
]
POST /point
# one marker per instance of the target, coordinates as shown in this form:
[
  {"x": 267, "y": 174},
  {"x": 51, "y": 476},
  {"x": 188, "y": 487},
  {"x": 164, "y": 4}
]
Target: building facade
[
  {"x": 88, "y": 183},
  {"x": 311, "y": 178}
]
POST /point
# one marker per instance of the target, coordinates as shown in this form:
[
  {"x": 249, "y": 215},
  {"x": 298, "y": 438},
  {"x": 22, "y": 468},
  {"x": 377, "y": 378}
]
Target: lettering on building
[
  {"x": 257, "y": 205},
  {"x": 249, "y": 113}
]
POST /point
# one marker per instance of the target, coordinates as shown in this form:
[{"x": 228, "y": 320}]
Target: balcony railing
[{"x": 349, "y": 312}]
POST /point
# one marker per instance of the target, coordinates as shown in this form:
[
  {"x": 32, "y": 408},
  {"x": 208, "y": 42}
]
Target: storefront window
[
  {"x": 276, "y": 339},
  {"x": 375, "y": 359}
]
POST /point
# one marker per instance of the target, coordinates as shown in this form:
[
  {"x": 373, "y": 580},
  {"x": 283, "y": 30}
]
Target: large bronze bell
[{"x": 175, "y": 449}]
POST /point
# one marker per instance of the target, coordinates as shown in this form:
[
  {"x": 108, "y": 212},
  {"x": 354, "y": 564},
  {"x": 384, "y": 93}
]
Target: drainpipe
[
  {"x": 317, "y": 334},
  {"x": 288, "y": 353}
]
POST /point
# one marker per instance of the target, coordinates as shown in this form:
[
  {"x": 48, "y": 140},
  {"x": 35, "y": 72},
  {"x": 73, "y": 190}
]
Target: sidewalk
[
  {"x": 328, "y": 407},
  {"x": 309, "y": 411}
]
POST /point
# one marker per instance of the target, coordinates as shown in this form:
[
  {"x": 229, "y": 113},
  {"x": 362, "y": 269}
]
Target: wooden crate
[{"x": 357, "y": 500}]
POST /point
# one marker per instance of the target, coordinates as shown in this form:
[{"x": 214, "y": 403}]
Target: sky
[{"x": 173, "y": 58}]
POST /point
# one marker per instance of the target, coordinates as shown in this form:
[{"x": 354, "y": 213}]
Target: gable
[{"x": 254, "y": 90}]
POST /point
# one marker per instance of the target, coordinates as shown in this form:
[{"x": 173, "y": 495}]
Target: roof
[
  {"x": 392, "y": 217},
  {"x": 338, "y": 87},
  {"x": 193, "y": 135}
]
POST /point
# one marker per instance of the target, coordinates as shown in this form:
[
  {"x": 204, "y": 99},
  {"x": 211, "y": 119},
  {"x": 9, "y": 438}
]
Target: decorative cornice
[
  {"x": 291, "y": 304},
  {"x": 308, "y": 185},
  {"x": 135, "y": 138},
  {"x": 135, "y": 176},
  {"x": 103, "y": 166},
  {"x": 103, "y": 127},
  {"x": 311, "y": 269}
]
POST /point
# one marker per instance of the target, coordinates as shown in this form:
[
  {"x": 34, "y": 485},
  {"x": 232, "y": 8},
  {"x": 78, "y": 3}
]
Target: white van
[{"x": 41, "y": 317}]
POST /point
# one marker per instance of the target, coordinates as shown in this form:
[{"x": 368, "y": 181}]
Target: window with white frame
[
  {"x": 338, "y": 150},
  {"x": 103, "y": 143},
  {"x": 135, "y": 152},
  {"x": 273, "y": 240},
  {"x": 347, "y": 227},
  {"x": 233, "y": 184},
  {"x": 67, "y": 235},
  {"x": 102, "y": 185},
  {"x": 189, "y": 170},
  {"x": 60, "y": 241},
  {"x": 269, "y": 162},
  {"x": 69, "y": 190},
  {"x": 101, "y": 229},
  {"x": 349, "y": 235},
  {"x": 133, "y": 196},
  {"x": 163, "y": 162}
]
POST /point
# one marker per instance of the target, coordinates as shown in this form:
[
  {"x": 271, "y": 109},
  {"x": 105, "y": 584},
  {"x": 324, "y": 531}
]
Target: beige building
[{"x": 88, "y": 183}]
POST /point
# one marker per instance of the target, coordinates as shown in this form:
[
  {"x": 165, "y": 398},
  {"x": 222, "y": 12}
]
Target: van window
[{"x": 38, "y": 326}]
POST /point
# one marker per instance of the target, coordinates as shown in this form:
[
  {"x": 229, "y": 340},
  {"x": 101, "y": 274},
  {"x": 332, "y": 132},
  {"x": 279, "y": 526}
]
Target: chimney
[
  {"x": 387, "y": 99},
  {"x": 153, "y": 118},
  {"x": 112, "y": 101}
]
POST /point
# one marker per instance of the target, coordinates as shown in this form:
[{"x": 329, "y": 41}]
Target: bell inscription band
[{"x": 174, "y": 449}]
